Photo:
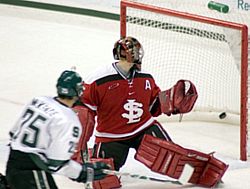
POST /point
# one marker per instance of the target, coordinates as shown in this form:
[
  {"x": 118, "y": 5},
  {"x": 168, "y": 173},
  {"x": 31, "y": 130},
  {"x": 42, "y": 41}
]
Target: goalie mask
[
  {"x": 130, "y": 49},
  {"x": 69, "y": 84}
]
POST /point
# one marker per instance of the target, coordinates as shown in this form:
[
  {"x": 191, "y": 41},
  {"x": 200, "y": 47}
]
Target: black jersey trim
[
  {"x": 143, "y": 75},
  {"x": 109, "y": 78},
  {"x": 56, "y": 99},
  {"x": 116, "y": 77}
]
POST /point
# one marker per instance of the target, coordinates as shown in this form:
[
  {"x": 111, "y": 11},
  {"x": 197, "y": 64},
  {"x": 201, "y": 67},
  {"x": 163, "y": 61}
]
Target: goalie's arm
[{"x": 155, "y": 109}]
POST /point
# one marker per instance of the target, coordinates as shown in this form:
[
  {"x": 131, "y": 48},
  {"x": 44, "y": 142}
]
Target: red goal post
[{"x": 213, "y": 53}]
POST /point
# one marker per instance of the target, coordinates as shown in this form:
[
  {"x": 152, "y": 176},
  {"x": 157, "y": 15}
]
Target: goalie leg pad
[
  {"x": 110, "y": 181},
  {"x": 159, "y": 158},
  {"x": 167, "y": 158},
  {"x": 213, "y": 172}
]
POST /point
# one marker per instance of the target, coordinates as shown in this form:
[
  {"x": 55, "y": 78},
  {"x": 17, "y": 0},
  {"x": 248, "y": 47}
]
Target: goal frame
[{"x": 244, "y": 54}]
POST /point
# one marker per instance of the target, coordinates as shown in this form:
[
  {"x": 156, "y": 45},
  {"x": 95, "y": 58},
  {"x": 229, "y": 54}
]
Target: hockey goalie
[{"x": 124, "y": 98}]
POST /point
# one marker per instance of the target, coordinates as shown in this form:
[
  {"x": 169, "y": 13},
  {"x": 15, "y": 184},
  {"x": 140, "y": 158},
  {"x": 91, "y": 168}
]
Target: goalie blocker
[
  {"x": 87, "y": 119},
  {"x": 110, "y": 181},
  {"x": 167, "y": 158}
]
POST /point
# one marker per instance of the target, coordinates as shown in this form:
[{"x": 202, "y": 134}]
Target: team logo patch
[
  {"x": 113, "y": 86},
  {"x": 134, "y": 111}
]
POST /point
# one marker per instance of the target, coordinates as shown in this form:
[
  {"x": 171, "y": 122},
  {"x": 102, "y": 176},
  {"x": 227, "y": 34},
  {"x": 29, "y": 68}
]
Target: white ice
[{"x": 37, "y": 45}]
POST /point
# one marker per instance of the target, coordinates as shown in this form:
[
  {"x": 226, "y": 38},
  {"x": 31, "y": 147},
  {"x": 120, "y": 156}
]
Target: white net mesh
[
  {"x": 176, "y": 49},
  {"x": 209, "y": 55}
]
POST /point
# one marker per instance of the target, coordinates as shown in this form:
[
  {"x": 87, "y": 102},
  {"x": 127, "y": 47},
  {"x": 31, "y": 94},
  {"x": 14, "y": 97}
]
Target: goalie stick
[
  {"x": 90, "y": 171},
  {"x": 184, "y": 178}
]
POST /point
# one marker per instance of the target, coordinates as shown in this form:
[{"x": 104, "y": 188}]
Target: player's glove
[
  {"x": 3, "y": 182},
  {"x": 92, "y": 168},
  {"x": 178, "y": 99}
]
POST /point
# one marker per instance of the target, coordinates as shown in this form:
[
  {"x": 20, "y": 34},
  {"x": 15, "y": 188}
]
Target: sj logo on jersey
[{"x": 135, "y": 111}]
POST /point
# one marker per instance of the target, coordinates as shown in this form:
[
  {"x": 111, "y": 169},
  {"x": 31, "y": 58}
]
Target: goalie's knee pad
[
  {"x": 110, "y": 181},
  {"x": 167, "y": 158}
]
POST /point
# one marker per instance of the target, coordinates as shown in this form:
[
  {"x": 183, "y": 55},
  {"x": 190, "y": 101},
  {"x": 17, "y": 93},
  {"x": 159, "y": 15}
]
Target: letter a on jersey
[{"x": 147, "y": 85}]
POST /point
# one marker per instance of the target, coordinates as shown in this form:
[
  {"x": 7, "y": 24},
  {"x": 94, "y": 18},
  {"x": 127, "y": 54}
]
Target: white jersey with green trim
[{"x": 49, "y": 130}]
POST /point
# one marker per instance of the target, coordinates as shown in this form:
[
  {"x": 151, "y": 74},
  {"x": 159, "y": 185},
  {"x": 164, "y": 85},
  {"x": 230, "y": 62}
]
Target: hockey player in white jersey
[{"x": 44, "y": 139}]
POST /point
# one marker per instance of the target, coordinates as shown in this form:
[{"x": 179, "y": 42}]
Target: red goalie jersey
[{"x": 115, "y": 98}]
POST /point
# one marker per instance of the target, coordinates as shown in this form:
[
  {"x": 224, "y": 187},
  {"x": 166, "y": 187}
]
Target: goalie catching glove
[{"x": 178, "y": 99}]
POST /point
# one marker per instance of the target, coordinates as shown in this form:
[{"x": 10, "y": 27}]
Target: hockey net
[{"x": 190, "y": 41}]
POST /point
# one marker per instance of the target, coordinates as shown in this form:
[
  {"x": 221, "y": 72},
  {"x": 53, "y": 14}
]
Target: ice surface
[{"x": 37, "y": 45}]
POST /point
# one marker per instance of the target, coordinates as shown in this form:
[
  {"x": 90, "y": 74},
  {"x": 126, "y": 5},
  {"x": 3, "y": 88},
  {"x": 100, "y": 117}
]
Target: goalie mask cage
[{"x": 211, "y": 52}]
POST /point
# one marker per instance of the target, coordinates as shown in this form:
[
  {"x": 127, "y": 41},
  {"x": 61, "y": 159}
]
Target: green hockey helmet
[{"x": 69, "y": 84}]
